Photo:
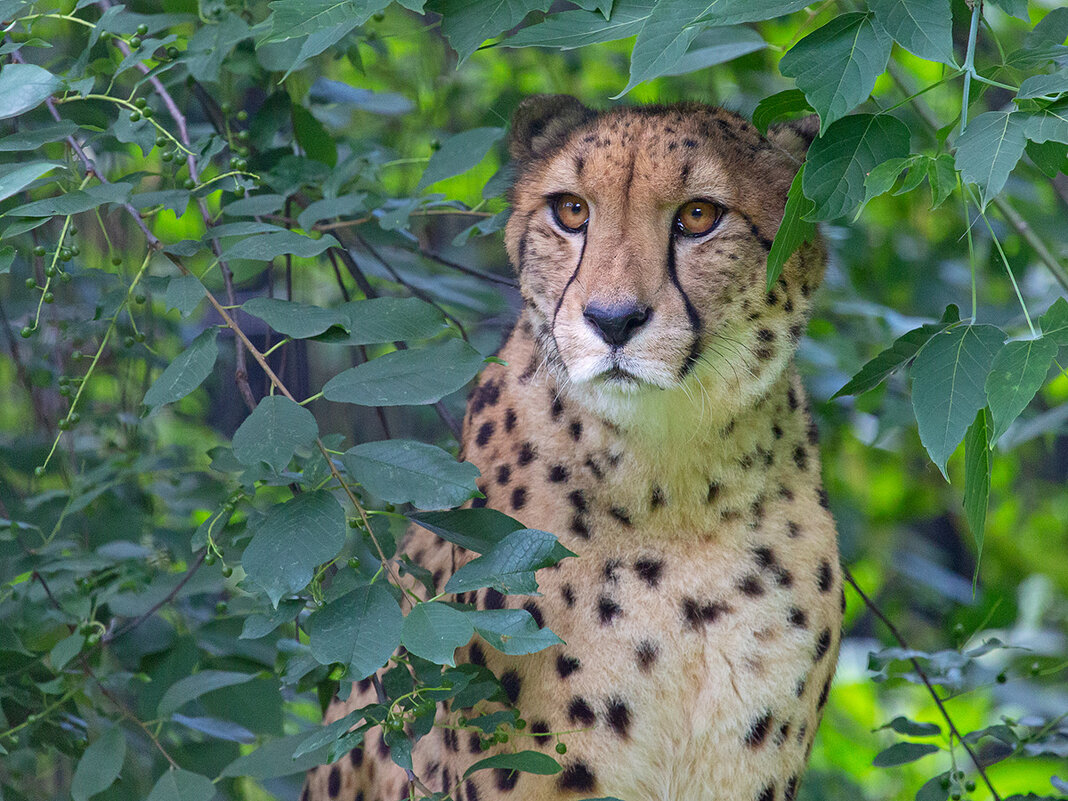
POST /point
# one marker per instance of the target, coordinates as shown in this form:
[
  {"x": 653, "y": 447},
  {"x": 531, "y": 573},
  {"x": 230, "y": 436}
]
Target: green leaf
[
  {"x": 330, "y": 207},
  {"x": 1017, "y": 373},
  {"x": 903, "y": 753},
  {"x": 312, "y": 136},
  {"x": 292, "y": 540},
  {"x": 933, "y": 789},
  {"x": 844, "y": 154},
  {"x": 23, "y": 175},
  {"x": 434, "y": 631},
  {"x": 512, "y": 631},
  {"x": 65, "y": 650},
  {"x": 717, "y": 46},
  {"x": 23, "y": 87},
  {"x": 182, "y": 785},
  {"x": 525, "y": 761},
  {"x": 274, "y": 430},
  {"x": 478, "y": 530},
  {"x": 210, "y": 45},
  {"x": 570, "y": 29},
  {"x": 275, "y": 758},
  {"x": 1050, "y": 157},
  {"x": 948, "y": 377},
  {"x": 988, "y": 150},
  {"x": 458, "y": 154},
  {"x": 407, "y": 377},
  {"x": 186, "y": 372},
  {"x": 292, "y": 319},
  {"x": 923, "y": 27},
  {"x": 977, "y": 444},
  {"x": 33, "y": 139},
  {"x": 268, "y": 246},
  {"x": 668, "y": 31},
  {"x": 1048, "y": 125},
  {"x": 1054, "y": 322},
  {"x": 184, "y": 293},
  {"x": 74, "y": 202},
  {"x": 292, "y": 18},
  {"x": 1053, "y": 83},
  {"x": 255, "y": 205},
  {"x": 882, "y": 179},
  {"x": 101, "y": 763},
  {"x": 468, "y": 23},
  {"x": 912, "y": 728},
  {"x": 905, "y": 347},
  {"x": 836, "y": 65},
  {"x": 7, "y": 258},
  {"x": 361, "y": 630},
  {"x": 192, "y": 687},
  {"x": 509, "y": 566},
  {"x": 794, "y": 231},
  {"x": 778, "y": 106},
  {"x": 376, "y": 320},
  {"x": 942, "y": 176},
  {"x": 1017, "y": 8},
  {"x": 405, "y": 471}
]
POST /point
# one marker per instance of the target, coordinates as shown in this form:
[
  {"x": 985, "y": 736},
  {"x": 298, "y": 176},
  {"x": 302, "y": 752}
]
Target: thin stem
[
  {"x": 1008, "y": 269},
  {"x": 133, "y": 624},
  {"x": 969, "y": 61},
  {"x": 923, "y": 676}
]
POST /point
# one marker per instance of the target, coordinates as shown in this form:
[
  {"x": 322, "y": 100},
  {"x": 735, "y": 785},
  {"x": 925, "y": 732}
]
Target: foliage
[{"x": 200, "y": 502}]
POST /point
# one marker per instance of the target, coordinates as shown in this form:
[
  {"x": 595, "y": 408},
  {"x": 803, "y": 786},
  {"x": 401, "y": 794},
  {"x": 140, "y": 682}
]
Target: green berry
[
  {"x": 140, "y": 102},
  {"x": 140, "y": 298},
  {"x": 501, "y": 737},
  {"x": 142, "y": 29},
  {"x": 955, "y": 796},
  {"x": 128, "y": 342},
  {"x": 64, "y": 424},
  {"x": 378, "y": 16},
  {"x": 1002, "y": 678},
  {"x": 242, "y": 115},
  {"x": 190, "y": 183},
  {"x": 233, "y": 162},
  {"x": 220, "y": 608},
  {"x": 135, "y": 116},
  {"x": 75, "y": 250},
  {"x": 26, "y": 332},
  {"x": 209, "y": 559},
  {"x": 140, "y": 337},
  {"x": 520, "y": 724},
  {"x": 242, "y": 136},
  {"x": 227, "y": 571},
  {"x": 969, "y": 786},
  {"x": 354, "y": 563},
  {"x": 49, "y": 297},
  {"x": 239, "y": 191},
  {"x": 72, "y": 231},
  {"x": 76, "y": 356},
  {"x": 65, "y": 391},
  {"x": 31, "y": 283},
  {"x": 116, "y": 260},
  {"x": 13, "y": 739},
  {"x": 461, "y": 721},
  {"x": 39, "y": 470},
  {"x": 65, "y": 278},
  {"x": 50, "y": 271},
  {"x": 226, "y": 108},
  {"x": 65, "y": 254},
  {"x": 135, "y": 42},
  {"x": 561, "y": 748},
  {"x": 64, "y": 380},
  {"x": 484, "y": 745},
  {"x": 172, "y": 52},
  {"x": 75, "y": 418},
  {"x": 1035, "y": 668},
  {"x": 167, "y": 156},
  {"x": 161, "y": 141},
  {"x": 147, "y": 112},
  {"x": 39, "y": 250},
  {"x": 93, "y": 639}
]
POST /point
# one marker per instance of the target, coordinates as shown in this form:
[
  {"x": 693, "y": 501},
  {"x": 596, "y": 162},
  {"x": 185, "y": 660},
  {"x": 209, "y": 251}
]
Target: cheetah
[{"x": 646, "y": 411}]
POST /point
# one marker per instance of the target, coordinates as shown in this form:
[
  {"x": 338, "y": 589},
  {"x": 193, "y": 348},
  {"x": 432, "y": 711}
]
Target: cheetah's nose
[{"x": 617, "y": 322}]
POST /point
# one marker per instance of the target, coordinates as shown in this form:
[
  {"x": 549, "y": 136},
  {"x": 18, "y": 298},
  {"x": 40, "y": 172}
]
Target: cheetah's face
[{"x": 641, "y": 238}]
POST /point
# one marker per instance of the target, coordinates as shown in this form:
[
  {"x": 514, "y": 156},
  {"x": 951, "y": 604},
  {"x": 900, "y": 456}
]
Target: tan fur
[{"x": 701, "y": 617}]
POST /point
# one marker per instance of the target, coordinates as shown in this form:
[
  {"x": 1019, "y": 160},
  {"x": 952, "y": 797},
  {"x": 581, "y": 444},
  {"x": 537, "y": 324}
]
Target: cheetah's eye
[
  {"x": 697, "y": 218},
  {"x": 571, "y": 212}
]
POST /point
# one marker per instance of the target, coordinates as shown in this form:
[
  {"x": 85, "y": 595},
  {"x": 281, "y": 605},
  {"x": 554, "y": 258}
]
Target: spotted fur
[{"x": 701, "y": 616}]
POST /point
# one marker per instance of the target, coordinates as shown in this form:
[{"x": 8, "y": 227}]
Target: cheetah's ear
[
  {"x": 796, "y": 135},
  {"x": 542, "y": 122}
]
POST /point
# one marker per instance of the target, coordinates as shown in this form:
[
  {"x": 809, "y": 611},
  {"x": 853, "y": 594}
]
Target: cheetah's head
[{"x": 641, "y": 238}]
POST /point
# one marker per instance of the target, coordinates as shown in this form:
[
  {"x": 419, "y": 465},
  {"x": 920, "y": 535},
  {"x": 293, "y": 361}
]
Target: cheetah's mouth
[{"x": 617, "y": 375}]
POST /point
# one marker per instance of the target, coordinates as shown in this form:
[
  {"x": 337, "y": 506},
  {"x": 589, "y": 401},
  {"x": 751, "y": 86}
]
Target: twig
[
  {"x": 923, "y": 676},
  {"x": 495, "y": 279},
  {"x": 133, "y": 624}
]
